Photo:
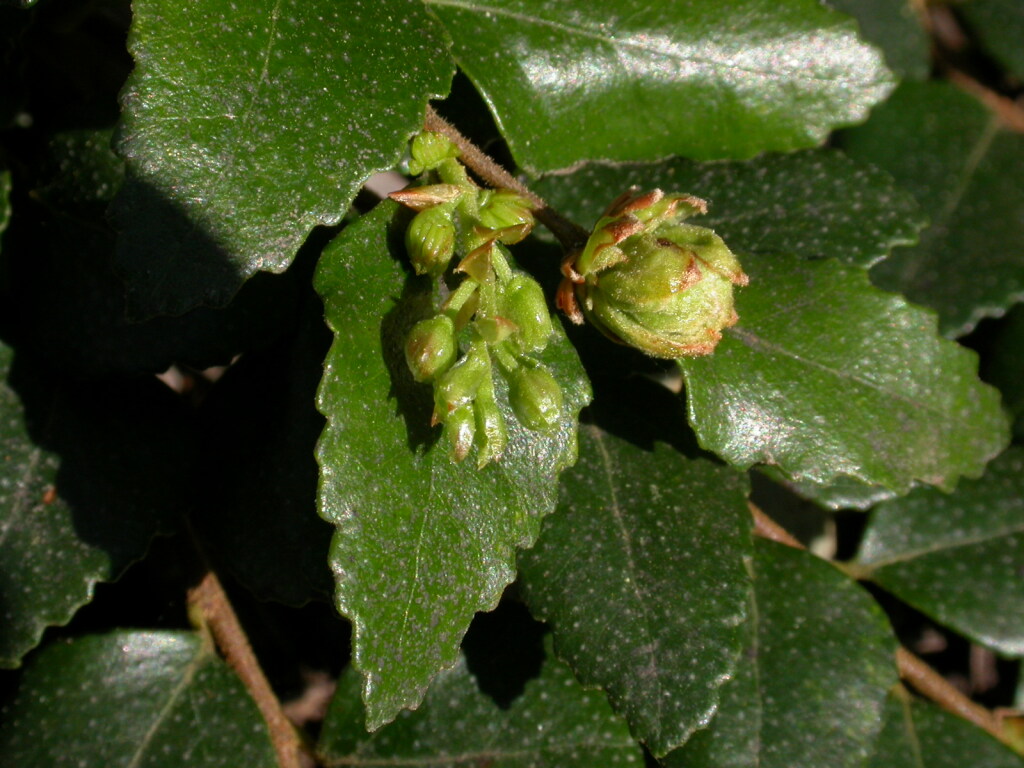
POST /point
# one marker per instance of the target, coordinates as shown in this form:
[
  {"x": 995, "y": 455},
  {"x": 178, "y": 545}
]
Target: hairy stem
[
  {"x": 570, "y": 234},
  {"x": 913, "y": 670},
  {"x": 211, "y": 604}
]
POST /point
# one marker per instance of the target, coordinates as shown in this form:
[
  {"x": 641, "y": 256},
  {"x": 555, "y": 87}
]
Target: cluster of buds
[
  {"x": 646, "y": 279},
  {"x": 488, "y": 316}
]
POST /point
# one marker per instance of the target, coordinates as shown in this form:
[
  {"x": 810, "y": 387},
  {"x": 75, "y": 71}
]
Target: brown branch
[
  {"x": 925, "y": 680},
  {"x": 570, "y": 234},
  {"x": 215, "y": 611},
  {"x": 1009, "y": 112}
]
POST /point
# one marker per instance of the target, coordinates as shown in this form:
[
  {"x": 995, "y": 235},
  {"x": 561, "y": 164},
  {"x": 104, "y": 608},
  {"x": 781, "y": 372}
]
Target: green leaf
[
  {"x": 894, "y": 26},
  {"x": 244, "y": 129},
  {"x": 615, "y": 80},
  {"x": 826, "y": 376},
  {"x": 554, "y": 722},
  {"x": 811, "y": 204},
  {"x": 90, "y": 475},
  {"x": 130, "y": 698},
  {"x": 958, "y": 558},
  {"x": 998, "y": 25},
  {"x": 946, "y": 148},
  {"x": 918, "y": 734},
  {"x": 421, "y": 543},
  {"x": 813, "y": 680},
  {"x": 641, "y": 575}
]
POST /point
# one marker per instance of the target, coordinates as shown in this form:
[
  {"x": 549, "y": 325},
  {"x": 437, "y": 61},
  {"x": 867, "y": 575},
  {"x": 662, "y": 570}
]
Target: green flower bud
[
  {"x": 430, "y": 348},
  {"x": 671, "y": 297},
  {"x": 492, "y": 435},
  {"x": 647, "y": 280},
  {"x": 430, "y": 240},
  {"x": 429, "y": 150},
  {"x": 503, "y": 209},
  {"x": 459, "y": 385},
  {"x": 459, "y": 430},
  {"x": 523, "y": 303},
  {"x": 535, "y": 397}
]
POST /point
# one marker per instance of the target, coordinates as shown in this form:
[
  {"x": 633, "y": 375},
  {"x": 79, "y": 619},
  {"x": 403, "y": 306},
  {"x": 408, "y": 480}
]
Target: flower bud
[
  {"x": 523, "y": 303},
  {"x": 648, "y": 280},
  {"x": 459, "y": 385},
  {"x": 429, "y": 150},
  {"x": 503, "y": 209},
  {"x": 430, "y": 240},
  {"x": 430, "y": 348},
  {"x": 459, "y": 430},
  {"x": 535, "y": 397},
  {"x": 671, "y": 297},
  {"x": 492, "y": 435}
]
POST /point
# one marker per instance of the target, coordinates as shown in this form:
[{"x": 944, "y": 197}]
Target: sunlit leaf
[{"x": 421, "y": 543}]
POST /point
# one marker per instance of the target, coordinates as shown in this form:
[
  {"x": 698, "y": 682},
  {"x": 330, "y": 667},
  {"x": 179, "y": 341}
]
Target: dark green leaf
[
  {"x": 998, "y": 26},
  {"x": 810, "y": 204},
  {"x": 614, "y": 80},
  {"x": 843, "y": 493},
  {"x": 554, "y": 722},
  {"x": 90, "y": 474},
  {"x": 958, "y": 557},
  {"x": 244, "y": 129},
  {"x": 894, "y": 26},
  {"x": 826, "y": 376},
  {"x": 947, "y": 149},
  {"x": 814, "y": 678},
  {"x": 421, "y": 543},
  {"x": 160, "y": 699},
  {"x": 918, "y": 734},
  {"x": 641, "y": 575}
]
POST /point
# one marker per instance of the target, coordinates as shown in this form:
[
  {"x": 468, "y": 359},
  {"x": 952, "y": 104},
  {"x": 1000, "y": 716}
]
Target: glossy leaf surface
[
  {"x": 554, "y": 722},
  {"x": 640, "y": 573},
  {"x": 958, "y": 557},
  {"x": 421, "y": 543},
  {"x": 613, "y": 80},
  {"x": 814, "y": 677},
  {"x": 918, "y": 734},
  {"x": 90, "y": 474},
  {"x": 946, "y": 148},
  {"x": 245, "y": 127},
  {"x": 826, "y": 376},
  {"x": 160, "y": 699},
  {"x": 810, "y": 204}
]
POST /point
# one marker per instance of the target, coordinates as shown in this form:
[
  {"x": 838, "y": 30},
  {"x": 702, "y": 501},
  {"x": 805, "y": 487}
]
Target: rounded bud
[
  {"x": 430, "y": 240},
  {"x": 523, "y": 303},
  {"x": 431, "y": 348},
  {"x": 429, "y": 150},
  {"x": 671, "y": 297},
  {"x": 535, "y": 397}
]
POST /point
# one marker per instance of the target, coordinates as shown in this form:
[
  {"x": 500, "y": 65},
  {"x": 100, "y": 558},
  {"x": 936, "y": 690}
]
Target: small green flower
[
  {"x": 535, "y": 397},
  {"x": 523, "y": 303},
  {"x": 431, "y": 348},
  {"x": 646, "y": 279},
  {"x": 460, "y": 431},
  {"x": 430, "y": 240},
  {"x": 429, "y": 150}
]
